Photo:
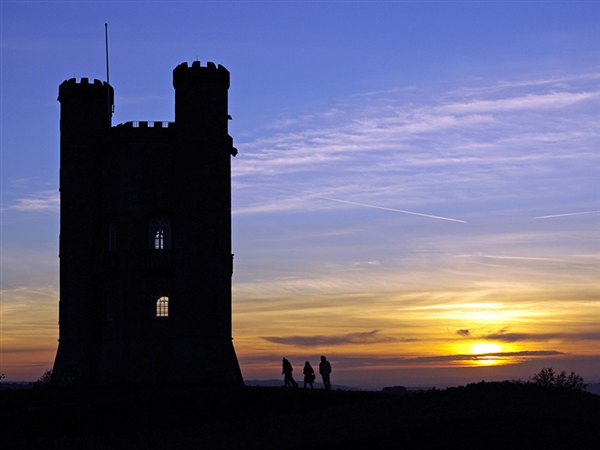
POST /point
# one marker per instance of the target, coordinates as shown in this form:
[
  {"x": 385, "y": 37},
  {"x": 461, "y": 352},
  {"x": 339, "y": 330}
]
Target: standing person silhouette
[
  {"x": 325, "y": 371},
  {"x": 309, "y": 375},
  {"x": 287, "y": 372}
]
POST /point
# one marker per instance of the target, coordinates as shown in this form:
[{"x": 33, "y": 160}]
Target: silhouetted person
[
  {"x": 325, "y": 371},
  {"x": 287, "y": 372},
  {"x": 309, "y": 375}
]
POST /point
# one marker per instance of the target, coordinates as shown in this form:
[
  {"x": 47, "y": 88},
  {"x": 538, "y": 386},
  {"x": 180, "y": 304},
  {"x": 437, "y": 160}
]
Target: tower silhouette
[{"x": 145, "y": 237}]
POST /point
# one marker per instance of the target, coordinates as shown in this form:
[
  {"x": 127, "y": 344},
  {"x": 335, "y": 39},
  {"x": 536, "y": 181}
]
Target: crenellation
[
  {"x": 72, "y": 88},
  {"x": 84, "y": 81},
  {"x": 154, "y": 125},
  {"x": 142, "y": 131},
  {"x": 196, "y": 73}
]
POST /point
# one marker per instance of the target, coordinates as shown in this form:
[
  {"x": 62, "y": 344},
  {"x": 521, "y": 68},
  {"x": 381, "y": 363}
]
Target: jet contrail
[
  {"x": 568, "y": 214},
  {"x": 392, "y": 209}
]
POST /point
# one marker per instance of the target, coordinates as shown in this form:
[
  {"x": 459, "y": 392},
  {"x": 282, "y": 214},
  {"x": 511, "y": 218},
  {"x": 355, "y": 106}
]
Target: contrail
[
  {"x": 569, "y": 214},
  {"x": 394, "y": 210}
]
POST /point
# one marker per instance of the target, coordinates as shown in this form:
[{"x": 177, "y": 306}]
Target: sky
[{"x": 417, "y": 189}]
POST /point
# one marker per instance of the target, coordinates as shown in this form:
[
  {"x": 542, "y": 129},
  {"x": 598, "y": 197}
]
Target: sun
[
  {"x": 487, "y": 351},
  {"x": 484, "y": 348}
]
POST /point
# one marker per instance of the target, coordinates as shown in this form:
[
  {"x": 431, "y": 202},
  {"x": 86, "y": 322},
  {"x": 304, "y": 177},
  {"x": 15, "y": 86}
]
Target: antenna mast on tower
[{"x": 110, "y": 106}]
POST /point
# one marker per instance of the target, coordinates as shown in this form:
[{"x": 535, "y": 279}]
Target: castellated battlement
[
  {"x": 144, "y": 130},
  {"x": 83, "y": 89},
  {"x": 145, "y": 125},
  {"x": 197, "y": 74},
  {"x": 84, "y": 83}
]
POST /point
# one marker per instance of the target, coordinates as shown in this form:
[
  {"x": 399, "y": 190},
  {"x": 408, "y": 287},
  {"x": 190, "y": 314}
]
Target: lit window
[
  {"x": 160, "y": 234},
  {"x": 162, "y": 307},
  {"x": 159, "y": 240}
]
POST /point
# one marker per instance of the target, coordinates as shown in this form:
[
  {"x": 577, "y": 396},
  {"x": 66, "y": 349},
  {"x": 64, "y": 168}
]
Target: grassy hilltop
[{"x": 503, "y": 415}]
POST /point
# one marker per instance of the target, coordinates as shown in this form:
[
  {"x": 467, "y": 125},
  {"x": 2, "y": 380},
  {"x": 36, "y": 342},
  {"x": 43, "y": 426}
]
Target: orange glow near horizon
[{"x": 376, "y": 335}]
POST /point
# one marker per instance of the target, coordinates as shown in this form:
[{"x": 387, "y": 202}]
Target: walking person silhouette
[
  {"x": 287, "y": 372},
  {"x": 309, "y": 375}
]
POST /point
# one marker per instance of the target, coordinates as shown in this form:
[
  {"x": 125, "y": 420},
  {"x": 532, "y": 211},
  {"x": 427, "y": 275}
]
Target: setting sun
[
  {"x": 489, "y": 354},
  {"x": 485, "y": 348}
]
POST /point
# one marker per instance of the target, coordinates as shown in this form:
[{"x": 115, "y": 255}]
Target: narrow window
[
  {"x": 112, "y": 237},
  {"x": 162, "y": 307},
  {"x": 160, "y": 234},
  {"x": 109, "y": 308}
]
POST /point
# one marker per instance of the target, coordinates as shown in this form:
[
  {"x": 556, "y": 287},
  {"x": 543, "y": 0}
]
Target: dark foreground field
[{"x": 479, "y": 416}]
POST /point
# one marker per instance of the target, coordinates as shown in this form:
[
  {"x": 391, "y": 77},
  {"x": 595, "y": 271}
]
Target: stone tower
[{"x": 145, "y": 237}]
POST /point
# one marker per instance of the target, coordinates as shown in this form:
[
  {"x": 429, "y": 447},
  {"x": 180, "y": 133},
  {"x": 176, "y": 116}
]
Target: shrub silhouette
[{"x": 548, "y": 378}]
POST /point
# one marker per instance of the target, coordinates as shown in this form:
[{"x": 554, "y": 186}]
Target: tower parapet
[
  {"x": 196, "y": 74},
  {"x": 72, "y": 87},
  {"x": 86, "y": 104}
]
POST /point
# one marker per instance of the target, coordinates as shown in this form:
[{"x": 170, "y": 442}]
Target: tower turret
[
  {"x": 84, "y": 125},
  {"x": 201, "y": 98}
]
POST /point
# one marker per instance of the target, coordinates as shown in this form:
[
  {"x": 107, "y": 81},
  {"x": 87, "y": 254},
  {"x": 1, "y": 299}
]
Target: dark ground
[{"x": 480, "y": 416}]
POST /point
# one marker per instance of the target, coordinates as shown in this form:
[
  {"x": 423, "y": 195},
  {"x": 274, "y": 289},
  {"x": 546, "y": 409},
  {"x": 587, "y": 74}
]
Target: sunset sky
[{"x": 417, "y": 189}]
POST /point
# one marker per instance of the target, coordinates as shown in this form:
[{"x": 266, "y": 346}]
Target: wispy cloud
[
  {"x": 504, "y": 335},
  {"x": 532, "y": 139},
  {"x": 474, "y": 357},
  {"x": 371, "y": 337},
  {"x": 45, "y": 201},
  {"x": 390, "y": 362},
  {"x": 430, "y": 216},
  {"x": 567, "y": 214},
  {"x": 541, "y": 337},
  {"x": 528, "y": 102}
]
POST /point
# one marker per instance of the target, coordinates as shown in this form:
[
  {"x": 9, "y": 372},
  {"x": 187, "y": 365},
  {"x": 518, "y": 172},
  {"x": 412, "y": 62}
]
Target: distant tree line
[{"x": 546, "y": 378}]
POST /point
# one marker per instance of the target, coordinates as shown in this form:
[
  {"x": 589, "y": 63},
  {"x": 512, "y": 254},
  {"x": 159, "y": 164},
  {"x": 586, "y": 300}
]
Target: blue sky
[{"x": 414, "y": 178}]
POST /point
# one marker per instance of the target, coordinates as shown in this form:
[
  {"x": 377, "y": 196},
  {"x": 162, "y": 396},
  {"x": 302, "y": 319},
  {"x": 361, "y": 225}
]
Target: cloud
[
  {"x": 441, "y": 359},
  {"x": 526, "y": 139},
  {"x": 383, "y": 362},
  {"x": 395, "y": 210},
  {"x": 567, "y": 214},
  {"x": 477, "y": 357},
  {"x": 371, "y": 337},
  {"x": 45, "y": 201},
  {"x": 532, "y": 101},
  {"x": 503, "y": 335},
  {"x": 541, "y": 337}
]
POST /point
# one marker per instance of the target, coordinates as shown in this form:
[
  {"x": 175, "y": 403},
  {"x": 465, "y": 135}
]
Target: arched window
[
  {"x": 109, "y": 308},
  {"x": 112, "y": 237},
  {"x": 160, "y": 233},
  {"x": 162, "y": 306}
]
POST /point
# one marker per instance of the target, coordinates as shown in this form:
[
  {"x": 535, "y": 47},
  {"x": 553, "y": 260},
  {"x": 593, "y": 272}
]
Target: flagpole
[{"x": 107, "y": 77}]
